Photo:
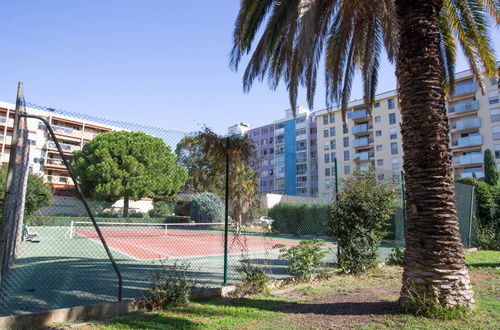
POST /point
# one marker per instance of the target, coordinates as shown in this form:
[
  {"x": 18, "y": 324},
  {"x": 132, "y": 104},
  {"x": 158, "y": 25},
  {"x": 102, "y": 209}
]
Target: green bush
[
  {"x": 304, "y": 258},
  {"x": 161, "y": 209},
  {"x": 254, "y": 281},
  {"x": 359, "y": 219},
  {"x": 395, "y": 258},
  {"x": 300, "y": 218},
  {"x": 139, "y": 215},
  {"x": 170, "y": 287},
  {"x": 206, "y": 207}
]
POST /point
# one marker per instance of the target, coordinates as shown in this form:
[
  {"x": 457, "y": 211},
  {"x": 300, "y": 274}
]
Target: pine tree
[{"x": 490, "y": 168}]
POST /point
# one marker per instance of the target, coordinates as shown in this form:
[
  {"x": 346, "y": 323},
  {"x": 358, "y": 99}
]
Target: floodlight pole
[{"x": 226, "y": 214}]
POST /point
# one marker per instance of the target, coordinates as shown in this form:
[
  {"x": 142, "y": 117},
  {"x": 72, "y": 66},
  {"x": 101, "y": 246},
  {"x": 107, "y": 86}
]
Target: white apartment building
[
  {"x": 44, "y": 158},
  {"x": 474, "y": 123}
]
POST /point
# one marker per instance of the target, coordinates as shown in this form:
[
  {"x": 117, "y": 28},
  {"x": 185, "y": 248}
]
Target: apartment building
[
  {"x": 474, "y": 123},
  {"x": 287, "y": 154},
  {"x": 44, "y": 158}
]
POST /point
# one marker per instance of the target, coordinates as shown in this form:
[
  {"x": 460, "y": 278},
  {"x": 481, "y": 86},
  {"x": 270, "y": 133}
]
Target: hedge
[{"x": 300, "y": 218}]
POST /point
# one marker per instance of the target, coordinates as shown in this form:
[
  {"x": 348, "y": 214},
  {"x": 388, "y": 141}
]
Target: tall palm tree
[{"x": 421, "y": 37}]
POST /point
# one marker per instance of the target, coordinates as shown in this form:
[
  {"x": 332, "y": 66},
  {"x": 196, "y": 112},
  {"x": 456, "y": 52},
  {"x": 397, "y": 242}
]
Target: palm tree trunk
[
  {"x": 126, "y": 205},
  {"x": 434, "y": 264}
]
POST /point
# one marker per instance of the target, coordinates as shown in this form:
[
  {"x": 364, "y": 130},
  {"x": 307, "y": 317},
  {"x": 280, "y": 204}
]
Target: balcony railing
[
  {"x": 474, "y": 158},
  {"x": 279, "y": 131},
  {"x": 59, "y": 179},
  {"x": 356, "y": 114},
  {"x": 465, "y": 88},
  {"x": 365, "y": 155},
  {"x": 465, "y": 106},
  {"x": 64, "y": 146},
  {"x": 467, "y": 123},
  {"x": 473, "y": 140},
  {"x": 478, "y": 174},
  {"x": 361, "y": 128},
  {"x": 55, "y": 162},
  {"x": 362, "y": 142}
]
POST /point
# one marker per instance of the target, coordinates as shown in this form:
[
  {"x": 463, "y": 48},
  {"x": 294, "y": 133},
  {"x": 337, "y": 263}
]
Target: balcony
[
  {"x": 469, "y": 87},
  {"x": 362, "y": 128},
  {"x": 478, "y": 174},
  {"x": 362, "y": 142},
  {"x": 363, "y": 156},
  {"x": 55, "y": 162},
  {"x": 300, "y": 137},
  {"x": 3, "y": 120},
  {"x": 464, "y": 107},
  {"x": 357, "y": 114},
  {"x": 468, "y": 141},
  {"x": 279, "y": 131},
  {"x": 58, "y": 179},
  {"x": 65, "y": 147},
  {"x": 467, "y": 123},
  {"x": 473, "y": 158}
]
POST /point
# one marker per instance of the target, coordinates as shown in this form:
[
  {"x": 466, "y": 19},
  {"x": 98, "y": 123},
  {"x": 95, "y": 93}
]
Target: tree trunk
[
  {"x": 434, "y": 264},
  {"x": 126, "y": 203}
]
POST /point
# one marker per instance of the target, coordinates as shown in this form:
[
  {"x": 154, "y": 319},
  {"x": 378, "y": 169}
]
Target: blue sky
[{"x": 155, "y": 62}]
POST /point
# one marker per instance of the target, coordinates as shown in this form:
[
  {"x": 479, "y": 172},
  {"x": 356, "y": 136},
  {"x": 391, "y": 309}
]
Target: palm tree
[{"x": 421, "y": 37}]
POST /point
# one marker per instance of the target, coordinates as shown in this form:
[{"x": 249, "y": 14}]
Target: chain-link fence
[{"x": 152, "y": 198}]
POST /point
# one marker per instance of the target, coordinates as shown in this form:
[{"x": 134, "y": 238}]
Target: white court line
[
  {"x": 98, "y": 241},
  {"x": 143, "y": 248}
]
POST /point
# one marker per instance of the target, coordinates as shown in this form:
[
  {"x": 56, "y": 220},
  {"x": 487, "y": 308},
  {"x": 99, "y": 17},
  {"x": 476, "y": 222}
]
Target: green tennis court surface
[{"x": 58, "y": 272}]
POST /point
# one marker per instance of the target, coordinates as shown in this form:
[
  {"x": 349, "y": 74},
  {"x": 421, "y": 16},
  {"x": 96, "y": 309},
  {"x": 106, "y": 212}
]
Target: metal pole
[
  {"x": 226, "y": 214},
  {"x": 336, "y": 180},
  {"x": 85, "y": 204}
]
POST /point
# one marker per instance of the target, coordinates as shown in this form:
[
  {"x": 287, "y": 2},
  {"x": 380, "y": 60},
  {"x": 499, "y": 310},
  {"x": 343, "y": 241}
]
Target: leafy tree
[
  {"x": 243, "y": 191},
  {"x": 421, "y": 38},
  {"x": 206, "y": 207},
  {"x": 38, "y": 193},
  {"x": 490, "y": 168},
  {"x": 359, "y": 218},
  {"x": 161, "y": 209},
  {"x": 120, "y": 164}
]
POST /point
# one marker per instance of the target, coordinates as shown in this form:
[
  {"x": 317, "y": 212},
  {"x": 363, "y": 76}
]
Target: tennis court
[{"x": 167, "y": 241}]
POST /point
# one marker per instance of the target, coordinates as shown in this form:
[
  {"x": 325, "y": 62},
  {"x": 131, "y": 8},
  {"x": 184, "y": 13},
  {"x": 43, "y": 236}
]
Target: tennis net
[{"x": 135, "y": 229}]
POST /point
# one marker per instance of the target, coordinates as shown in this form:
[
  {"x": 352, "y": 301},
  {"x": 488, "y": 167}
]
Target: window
[
  {"x": 333, "y": 155},
  {"x": 301, "y": 120},
  {"x": 380, "y": 162},
  {"x": 346, "y": 142},
  {"x": 332, "y": 118},
  {"x": 496, "y": 132},
  {"x": 346, "y": 155},
  {"x": 378, "y": 133},
  {"x": 326, "y": 145},
  {"x": 300, "y": 131},
  {"x": 347, "y": 169},
  {"x": 377, "y": 119},
  {"x": 327, "y": 158},
  {"x": 301, "y": 169},
  {"x": 332, "y": 131},
  {"x": 271, "y": 151},
  {"x": 327, "y": 171},
  {"x": 325, "y": 133},
  {"x": 301, "y": 146},
  {"x": 392, "y": 118},
  {"x": 270, "y": 140},
  {"x": 394, "y": 148},
  {"x": 313, "y": 130},
  {"x": 495, "y": 114},
  {"x": 395, "y": 163},
  {"x": 377, "y": 105},
  {"x": 333, "y": 144},
  {"x": 494, "y": 81},
  {"x": 263, "y": 152},
  {"x": 380, "y": 177},
  {"x": 391, "y": 104},
  {"x": 345, "y": 129},
  {"x": 314, "y": 142},
  {"x": 314, "y": 154},
  {"x": 325, "y": 120},
  {"x": 493, "y": 97},
  {"x": 380, "y": 147},
  {"x": 394, "y": 133},
  {"x": 497, "y": 151}
]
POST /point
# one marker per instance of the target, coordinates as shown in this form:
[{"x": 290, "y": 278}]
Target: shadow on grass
[
  {"x": 483, "y": 265},
  {"x": 151, "y": 321}
]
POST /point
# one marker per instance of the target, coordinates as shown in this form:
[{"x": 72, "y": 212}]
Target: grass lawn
[{"x": 366, "y": 302}]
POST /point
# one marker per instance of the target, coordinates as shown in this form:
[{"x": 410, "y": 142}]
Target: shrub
[
  {"x": 254, "y": 281},
  {"x": 169, "y": 287},
  {"x": 300, "y": 218},
  {"x": 395, "y": 258},
  {"x": 487, "y": 238},
  {"x": 304, "y": 258},
  {"x": 161, "y": 209},
  {"x": 206, "y": 207},
  {"x": 359, "y": 219}
]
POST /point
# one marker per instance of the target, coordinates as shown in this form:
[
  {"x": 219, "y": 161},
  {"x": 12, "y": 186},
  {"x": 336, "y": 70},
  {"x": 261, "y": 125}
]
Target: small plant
[
  {"x": 487, "y": 238},
  {"x": 170, "y": 287},
  {"x": 305, "y": 258},
  {"x": 254, "y": 281},
  {"x": 395, "y": 258}
]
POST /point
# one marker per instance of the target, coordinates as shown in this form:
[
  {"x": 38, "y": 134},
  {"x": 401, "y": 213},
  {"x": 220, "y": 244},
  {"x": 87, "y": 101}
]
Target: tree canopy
[
  {"x": 121, "y": 164},
  {"x": 490, "y": 168}
]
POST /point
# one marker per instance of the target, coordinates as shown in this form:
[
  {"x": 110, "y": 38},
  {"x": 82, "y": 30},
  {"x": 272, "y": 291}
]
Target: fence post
[{"x": 226, "y": 213}]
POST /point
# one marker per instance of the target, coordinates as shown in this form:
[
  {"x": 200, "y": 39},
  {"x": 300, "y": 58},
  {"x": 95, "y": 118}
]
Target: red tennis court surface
[{"x": 149, "y": 244}]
